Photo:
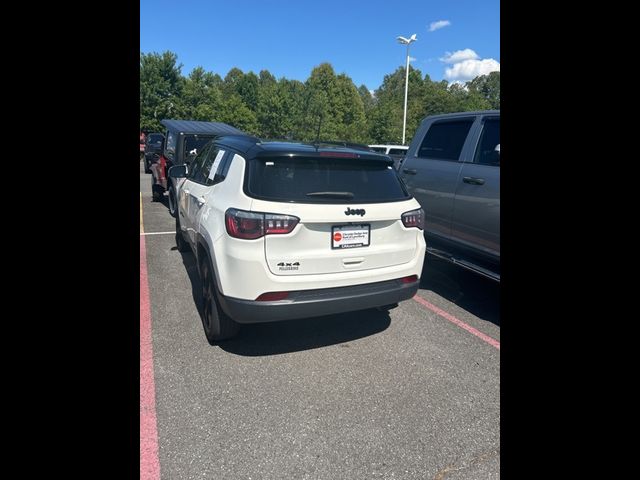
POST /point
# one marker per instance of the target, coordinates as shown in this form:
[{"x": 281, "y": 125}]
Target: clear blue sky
[{"x": 357, "y": 37}]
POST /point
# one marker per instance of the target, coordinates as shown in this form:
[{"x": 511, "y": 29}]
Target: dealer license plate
[{"x": 350, "y": 236}]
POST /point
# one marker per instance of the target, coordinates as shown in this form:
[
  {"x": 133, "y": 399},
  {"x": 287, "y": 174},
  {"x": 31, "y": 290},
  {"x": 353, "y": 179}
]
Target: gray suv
[{"x": 453, "y": 169}]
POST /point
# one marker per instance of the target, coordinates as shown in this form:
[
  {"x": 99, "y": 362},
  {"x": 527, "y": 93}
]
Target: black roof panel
[
  {"x": 252, "y": 147},
  {"x": 202, "y": 128}
]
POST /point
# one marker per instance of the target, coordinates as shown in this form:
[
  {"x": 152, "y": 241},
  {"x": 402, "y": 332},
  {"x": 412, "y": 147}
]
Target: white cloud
[
  {"x": 439, "y": 24},
  {"x": 459, "y": 56},
  {"x": 470, "y": 69}
]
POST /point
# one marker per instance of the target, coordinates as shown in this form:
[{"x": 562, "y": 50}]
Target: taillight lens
[
  {"x": 414, "y": 218},
  {"x": 409, "y": 279},
  {"x": 275, "y": 224},
  {"x": 252, "y": 225},
  {"x": 272, "y": 296},
  {"x": 241, "y": 224}
]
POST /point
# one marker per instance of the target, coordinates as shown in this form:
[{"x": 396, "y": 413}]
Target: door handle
[
  {"x": 473, "y": 181},
  {"x": 410, "y": 171}
]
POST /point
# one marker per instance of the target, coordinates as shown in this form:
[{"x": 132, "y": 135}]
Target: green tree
[
  {"x": 368, "y": 100},
  {"x": 270, "y": 108},
  {"x": 231, "y": 81},
  {"x": 236, "y": 113},
  {"x": 292, "y": 94},
  {"x": 202, "y": 99},
  {"x": 348, "y": 111},
  {"x": 161, "y": 88},
  {"x": 333, "y": 109},
  {"x": 317, "y": 119},
  {"x": 265, "y": 78},
  {"x": 247, "y": 88},
  {"x": 386, "y": 117},
  {"x": 467, "y": 100},
  {"x": 488, "y": 86},
  {"x": 382, "y": 123},
  {"x": 261, "y": 105},
  {"x": 437, "y": 99}
]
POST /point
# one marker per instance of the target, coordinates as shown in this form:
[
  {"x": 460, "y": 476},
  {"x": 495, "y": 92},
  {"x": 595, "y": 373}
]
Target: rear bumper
[{"x": 314, "y": 303}]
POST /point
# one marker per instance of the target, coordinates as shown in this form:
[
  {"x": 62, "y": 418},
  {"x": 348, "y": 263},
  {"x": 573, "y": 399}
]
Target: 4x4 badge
[
  {"x": 359, "y": 211},
  {"x": 288, "y": 266}
]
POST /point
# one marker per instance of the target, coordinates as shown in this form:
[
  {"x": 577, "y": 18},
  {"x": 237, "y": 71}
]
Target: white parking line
[{"x": 157, "y": 233}]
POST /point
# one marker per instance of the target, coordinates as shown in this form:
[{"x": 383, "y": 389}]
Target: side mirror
[
  {"x": 497, "y": 149},
  {"x": 178, "y": 171}
]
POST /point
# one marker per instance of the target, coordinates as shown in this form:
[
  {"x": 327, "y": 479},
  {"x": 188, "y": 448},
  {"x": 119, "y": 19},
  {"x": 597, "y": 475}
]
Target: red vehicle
[
  {"x": 159, "y": 182},
  {"x": 143, "y": 139}
]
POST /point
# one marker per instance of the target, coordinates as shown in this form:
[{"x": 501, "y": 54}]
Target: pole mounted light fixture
[{"x": 407, "y": 42}]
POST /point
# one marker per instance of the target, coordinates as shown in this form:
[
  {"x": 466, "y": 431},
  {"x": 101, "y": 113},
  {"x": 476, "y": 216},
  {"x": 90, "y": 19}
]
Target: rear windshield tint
[{"x": 324, "y": 180}]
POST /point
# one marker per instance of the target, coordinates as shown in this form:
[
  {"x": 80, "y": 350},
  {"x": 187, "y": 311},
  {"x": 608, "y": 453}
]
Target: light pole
[{"x": 407, "y": 42}]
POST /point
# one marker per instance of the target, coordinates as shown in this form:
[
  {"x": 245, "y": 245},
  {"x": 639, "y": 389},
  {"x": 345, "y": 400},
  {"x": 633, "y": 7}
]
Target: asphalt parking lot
[{"x": 413, "y": 393}]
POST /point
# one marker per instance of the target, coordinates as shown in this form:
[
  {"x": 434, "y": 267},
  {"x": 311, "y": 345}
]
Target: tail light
[
  {"x": 409, "y": 279},
  {"x": 241, "y": 224},
  {"x": 414, "y": 218},
  {"x": 252, "y": 225},
  {"x": 275, "y": 224},
  {"x": 272, "y": 296}
]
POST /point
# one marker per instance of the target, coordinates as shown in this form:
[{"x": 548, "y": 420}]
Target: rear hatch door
[{"x": 349, "y": 213}]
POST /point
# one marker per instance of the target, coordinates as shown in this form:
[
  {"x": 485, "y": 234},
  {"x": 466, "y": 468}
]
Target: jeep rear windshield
[{"x": 323, "y": 180}]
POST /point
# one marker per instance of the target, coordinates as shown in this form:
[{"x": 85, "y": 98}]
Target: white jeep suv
[{"x": 291, "y": 230}]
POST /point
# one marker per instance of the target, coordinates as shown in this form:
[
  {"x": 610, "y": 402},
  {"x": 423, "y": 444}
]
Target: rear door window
[
  {"x": 213, "y": 166},
  {"x": 195, "y": 169},
  {"x": 208, "y": 165},
  {"x": 486, "y": 153},
  {"x": 324, "y": 180},
  {"x": 444, "y": 140}
]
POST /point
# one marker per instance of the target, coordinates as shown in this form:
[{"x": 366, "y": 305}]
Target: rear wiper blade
[{"x": 331, "y": 194}]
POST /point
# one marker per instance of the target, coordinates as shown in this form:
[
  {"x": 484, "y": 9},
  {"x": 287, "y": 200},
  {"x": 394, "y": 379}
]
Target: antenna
[{"x": 319, "y": 125}]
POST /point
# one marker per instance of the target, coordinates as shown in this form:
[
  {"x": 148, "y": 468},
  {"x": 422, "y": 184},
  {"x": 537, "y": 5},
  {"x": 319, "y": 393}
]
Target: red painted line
[
  {"x": 491, "y": 341},
  {"x": 149, "y": 462}
]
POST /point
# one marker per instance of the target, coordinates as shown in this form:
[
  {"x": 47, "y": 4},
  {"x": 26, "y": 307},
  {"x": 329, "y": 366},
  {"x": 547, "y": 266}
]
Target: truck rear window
[{"x": 324, "y": 180}]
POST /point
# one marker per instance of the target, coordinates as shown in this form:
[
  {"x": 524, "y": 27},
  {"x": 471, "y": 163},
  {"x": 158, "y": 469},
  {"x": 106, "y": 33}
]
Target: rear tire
[
  {"x": 217, "y": 324},
  {"x": 181, "y": 243},
  {"x": 156, "y": 190},
  {"x": 173, "y": 210}
]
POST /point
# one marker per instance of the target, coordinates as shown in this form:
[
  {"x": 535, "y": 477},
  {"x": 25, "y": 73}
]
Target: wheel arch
[{"x": 205, "y": 254}]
